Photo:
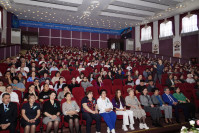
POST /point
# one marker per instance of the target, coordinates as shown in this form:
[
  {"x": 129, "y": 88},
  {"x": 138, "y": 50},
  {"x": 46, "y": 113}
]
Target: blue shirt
[
  {"x": 53, "y": 69},
  {"x": 5, "y": 106},
  {"x": 30, "y": 79},
  {"x": 19, "y": 85}
]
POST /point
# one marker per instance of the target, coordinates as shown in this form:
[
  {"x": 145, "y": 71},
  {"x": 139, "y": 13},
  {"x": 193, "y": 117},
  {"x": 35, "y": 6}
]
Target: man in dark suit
[
  {"x": 8, "y": 114},
  {"x": 170, "y": 83},
  {"x": 170, "y": 100},
  {"x": 119, "y": 75}
]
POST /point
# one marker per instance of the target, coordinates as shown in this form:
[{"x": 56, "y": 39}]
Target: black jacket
[
  {"x": 168, "y": 82},
  {"x": 10, "y": 116}
]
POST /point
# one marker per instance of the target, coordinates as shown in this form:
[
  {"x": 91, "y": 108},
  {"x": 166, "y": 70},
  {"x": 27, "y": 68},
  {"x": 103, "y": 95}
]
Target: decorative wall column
[
  {"x": 155, "y": 42},
  {"x": 4, "y": 28},
  {"x": 137, "y": 39},
  {"x": 177, "y": 39}
]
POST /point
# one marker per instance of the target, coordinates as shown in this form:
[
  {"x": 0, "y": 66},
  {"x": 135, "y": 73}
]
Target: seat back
[
  {"x": 107, "y": 82},
  {"x": 117, "y": 82}
]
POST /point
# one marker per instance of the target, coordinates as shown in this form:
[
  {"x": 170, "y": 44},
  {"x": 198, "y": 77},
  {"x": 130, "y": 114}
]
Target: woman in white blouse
[{"x": 106, "y": 111}]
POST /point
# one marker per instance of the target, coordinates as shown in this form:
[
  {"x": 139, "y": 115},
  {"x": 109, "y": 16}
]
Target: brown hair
[
  {"x": 88, "y": 92},
  {"x": 117, "y": 98}
]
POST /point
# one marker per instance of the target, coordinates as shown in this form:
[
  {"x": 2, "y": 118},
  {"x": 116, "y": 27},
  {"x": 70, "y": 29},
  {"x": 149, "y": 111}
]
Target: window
[
  {"x": 166, "y": 29},
  {"x": 146, "y": 33},
  {"x": 189, "y": 23}
]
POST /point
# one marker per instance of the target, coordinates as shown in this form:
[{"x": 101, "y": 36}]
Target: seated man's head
[
  {"x": 9, "y": 89},
  {"x": 6, "y": 98},
  {"x": 166, "y": 90},
  {"x": 85, "y": 79},
  {"x": 151, "y": 82},
  {"x": 156, "y": 91},
  {"x": 142, "y": 82}
]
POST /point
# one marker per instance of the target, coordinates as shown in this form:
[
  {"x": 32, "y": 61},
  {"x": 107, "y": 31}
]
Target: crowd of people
[{"x": 44, "y": 77}]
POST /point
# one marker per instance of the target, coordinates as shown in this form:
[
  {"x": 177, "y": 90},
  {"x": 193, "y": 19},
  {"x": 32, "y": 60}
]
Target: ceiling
[{"x": 107, "y": 14}]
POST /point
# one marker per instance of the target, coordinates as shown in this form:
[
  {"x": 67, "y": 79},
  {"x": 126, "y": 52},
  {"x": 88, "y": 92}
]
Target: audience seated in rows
[{"x": 47, "y": 76}]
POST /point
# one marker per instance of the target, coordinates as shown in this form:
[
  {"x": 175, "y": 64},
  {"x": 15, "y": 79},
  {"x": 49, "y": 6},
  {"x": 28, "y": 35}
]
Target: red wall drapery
[{"x": 168, "y": 19}]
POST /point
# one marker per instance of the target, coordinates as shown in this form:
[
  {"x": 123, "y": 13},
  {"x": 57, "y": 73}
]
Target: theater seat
[
  {"x": 107, "y": 82},
  {"x": 116, "y": 87},
  {"x": 117, "y": 82},
  {"x": 125, "y": 88}
]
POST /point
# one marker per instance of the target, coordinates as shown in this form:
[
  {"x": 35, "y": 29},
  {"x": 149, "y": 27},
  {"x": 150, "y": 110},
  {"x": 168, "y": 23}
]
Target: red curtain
[
  {"x": 1, "y": 9},
  {"x": 168, "y": 19},
  {"x": 142, "y": 26},
  {"x": 185, "y": 14}
]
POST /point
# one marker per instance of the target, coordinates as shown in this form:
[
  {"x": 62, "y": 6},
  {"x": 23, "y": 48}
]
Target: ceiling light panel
[
  {"x": 79, "y": 2},
  {"x": 129, "y": 10},
  {"x": 145, "y": 3},
  {"x": 43, "y": 4},
  {"x": 121, "y": 16}
]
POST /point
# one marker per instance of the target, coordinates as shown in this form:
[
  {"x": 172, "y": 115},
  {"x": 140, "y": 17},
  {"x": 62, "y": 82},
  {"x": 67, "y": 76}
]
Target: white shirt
[
  {"x": 121, "y": 107},
  {"x": 190, "y": 80},
  {"x": 13, "y": 97},
  {"x": 81, "y": 69},
  {"x": 129, "y": 68},
  {"x": 172, "y": 82},
  {"x": 41, "y": 62},
  {"x": 137, "y": 82},
  {"x": 25, "y": 69},
  {"x": 107, "y": 66},
  {"x": 104, "y": 104},
  {"x": 78, "y": 79}
]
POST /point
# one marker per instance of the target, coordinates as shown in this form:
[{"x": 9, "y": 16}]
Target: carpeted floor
[{"x": 171, "y": 128}]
